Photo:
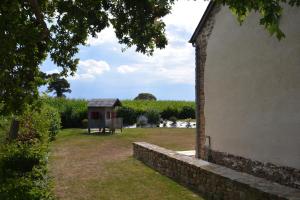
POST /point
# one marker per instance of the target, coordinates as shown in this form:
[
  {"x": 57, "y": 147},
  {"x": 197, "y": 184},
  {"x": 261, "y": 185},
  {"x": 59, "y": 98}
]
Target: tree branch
[{"x": 40, "y": 17}]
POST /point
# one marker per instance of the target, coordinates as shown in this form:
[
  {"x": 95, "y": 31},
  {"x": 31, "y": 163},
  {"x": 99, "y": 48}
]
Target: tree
[
  {"x": 128, "y": 114},
  {"x": 31, "y": 30},
  {"x": 153, "y": 116},
  {"x": 145, "y": 96},
  {"x": 58, "y": 85},
  {"x": 187, "y": 112}
]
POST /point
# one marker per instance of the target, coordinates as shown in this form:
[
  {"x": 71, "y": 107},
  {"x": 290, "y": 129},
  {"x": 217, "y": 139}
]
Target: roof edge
[
  {"x": 202, "y": 21},
  {"x": 115, "y": 102},
  {"x": 118, "y": 103}
]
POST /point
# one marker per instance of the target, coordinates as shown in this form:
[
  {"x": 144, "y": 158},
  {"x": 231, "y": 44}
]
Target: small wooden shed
[{"x": 102, "y": 114}]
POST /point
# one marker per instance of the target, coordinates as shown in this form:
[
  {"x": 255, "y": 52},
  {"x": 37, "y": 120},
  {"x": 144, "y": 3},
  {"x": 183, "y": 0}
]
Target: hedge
[{"x": 23, "y": 161}]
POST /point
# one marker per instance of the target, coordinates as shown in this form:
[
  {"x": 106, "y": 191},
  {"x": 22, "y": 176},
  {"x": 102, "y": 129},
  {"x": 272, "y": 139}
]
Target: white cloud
[
  {"x": 107, "y": 36},
  {"x": 174, "y": 64},
  {"x": 124, "y": 69},
  {"x": 186, "y": 14},
  {"x": 177, "y": 75},
  {"x": 90, "y": 69},
  {"x": 93, "y": 66},
  {"x": 82, "y": 77},
  {"x": 52, "y": 71}
]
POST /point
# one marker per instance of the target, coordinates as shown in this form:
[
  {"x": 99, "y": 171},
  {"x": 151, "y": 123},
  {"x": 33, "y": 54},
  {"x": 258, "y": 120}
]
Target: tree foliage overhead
[
  {"x": 269, "y": 10},
  {"x": 31, "y": 30},
  {"x": 58, "y": 85}
]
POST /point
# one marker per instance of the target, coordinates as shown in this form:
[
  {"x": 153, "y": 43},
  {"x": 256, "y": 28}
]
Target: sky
[{"x": 104, "y": 71}]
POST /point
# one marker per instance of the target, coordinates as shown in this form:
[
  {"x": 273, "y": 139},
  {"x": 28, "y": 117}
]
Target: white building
[{"x": 248, "y": 94}]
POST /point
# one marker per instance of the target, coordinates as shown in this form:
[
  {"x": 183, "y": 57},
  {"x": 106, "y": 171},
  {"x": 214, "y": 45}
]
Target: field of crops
[
  {"x": 72, "y": 111},
  {"x": 157, "y": 105},
  {"x": 62, "y": 103}
]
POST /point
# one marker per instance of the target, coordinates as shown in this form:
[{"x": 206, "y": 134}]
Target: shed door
[{"x": 108, "y": 115}]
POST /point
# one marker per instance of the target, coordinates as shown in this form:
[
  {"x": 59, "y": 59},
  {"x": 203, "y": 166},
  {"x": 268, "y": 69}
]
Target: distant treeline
[{"x": 73, "y": 111}]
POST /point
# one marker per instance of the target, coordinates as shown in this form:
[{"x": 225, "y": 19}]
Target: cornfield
[
  {"x": 73, "y": 111},
  {"x": 157, "y": 105}
]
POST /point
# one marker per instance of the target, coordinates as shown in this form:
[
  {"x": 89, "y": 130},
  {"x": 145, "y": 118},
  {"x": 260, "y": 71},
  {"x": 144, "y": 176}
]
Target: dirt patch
[{"x": 73, "y": 162}]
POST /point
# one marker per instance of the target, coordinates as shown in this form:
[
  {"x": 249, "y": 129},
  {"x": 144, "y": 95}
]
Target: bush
[
  {"x": 34, "y": 125},
  {"x": 72, "y": 111},
  {"x": 72, "y": 116},
  {"x": 4, "y": 127},
  {"x": 21, "y": 156},
  {"x": 139, "y": 112},
  {"x": 23, "y": 161},
  {"x": 187, "y": 112},
  {"x": 173, "y": 119},
  {"x": 42, "y": 122},
  {"x": 169, "y": 112},
  {"x": 55, "y": 123},
  {"x": 153, "y": 117},
  {"x": 128, "y": 115},
  {"x": 141, "y": 121},
  {"x": 27, "y": 187},
  {"x": 31, "y": 185},
  {"x": 85, "y": 123}
]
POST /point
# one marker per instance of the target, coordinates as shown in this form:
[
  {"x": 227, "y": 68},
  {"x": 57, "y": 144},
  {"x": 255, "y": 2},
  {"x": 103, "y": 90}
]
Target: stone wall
[
  {"x": 210, "y": 180},
  {"x": 281, "y": 174}
]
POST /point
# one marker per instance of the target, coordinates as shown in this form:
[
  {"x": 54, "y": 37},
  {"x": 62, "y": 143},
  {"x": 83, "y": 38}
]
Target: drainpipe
[
  {"x": 208, "y": 153},
  {"x": 197, "y": 142},
  {"x": 197, "y": 138}
]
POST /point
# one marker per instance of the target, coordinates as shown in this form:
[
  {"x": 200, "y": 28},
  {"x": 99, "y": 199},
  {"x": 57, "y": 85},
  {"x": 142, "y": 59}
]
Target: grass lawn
[{"x": 102, "y": 167}]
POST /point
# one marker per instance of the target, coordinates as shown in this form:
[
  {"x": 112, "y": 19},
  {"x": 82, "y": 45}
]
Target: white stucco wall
[{"x": 252, "y": 89}]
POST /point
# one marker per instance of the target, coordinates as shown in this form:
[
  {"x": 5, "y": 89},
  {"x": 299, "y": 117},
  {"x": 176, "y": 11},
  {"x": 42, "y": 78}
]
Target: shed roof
[
  {"x": 202, "y": 21},
  {"x": 104, "y": 103}
]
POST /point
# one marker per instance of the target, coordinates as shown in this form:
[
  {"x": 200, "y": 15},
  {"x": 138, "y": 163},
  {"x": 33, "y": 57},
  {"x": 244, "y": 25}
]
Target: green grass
[
  {"x": 102, "y": 167},
  {"x": 130, "y": 179}
]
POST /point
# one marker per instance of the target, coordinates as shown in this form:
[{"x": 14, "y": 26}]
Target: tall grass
[
  {"x": 160, "y": 105},
  {"x": 72, "y": 111}
]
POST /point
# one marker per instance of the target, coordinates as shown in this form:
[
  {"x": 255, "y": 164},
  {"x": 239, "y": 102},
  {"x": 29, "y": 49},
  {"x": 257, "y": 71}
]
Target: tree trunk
[{"x": 14, "y": 129}]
